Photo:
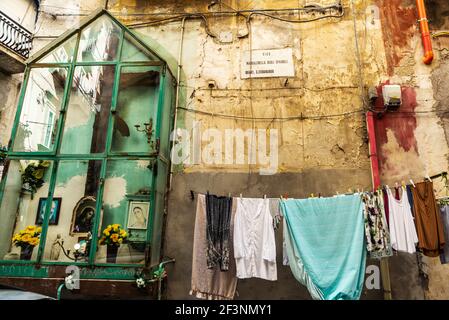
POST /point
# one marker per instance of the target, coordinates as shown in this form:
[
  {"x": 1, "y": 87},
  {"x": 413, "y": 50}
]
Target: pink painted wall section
[{"x": 401, "y": 123}]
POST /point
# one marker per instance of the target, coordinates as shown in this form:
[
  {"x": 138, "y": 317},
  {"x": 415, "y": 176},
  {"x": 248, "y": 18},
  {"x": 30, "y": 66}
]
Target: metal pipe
[
  {"x": 373, "y": 149},
  {"x": 384, "y": 267},
  {"x": 425, "y": 33},
  {"x": 178, "y": 85}
]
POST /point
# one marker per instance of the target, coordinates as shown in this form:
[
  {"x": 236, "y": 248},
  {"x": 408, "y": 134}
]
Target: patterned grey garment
[
  {"x": 218, "y": 216},
  {"x": 444, "y": 210},
  {"x": 377, "y": 234}
]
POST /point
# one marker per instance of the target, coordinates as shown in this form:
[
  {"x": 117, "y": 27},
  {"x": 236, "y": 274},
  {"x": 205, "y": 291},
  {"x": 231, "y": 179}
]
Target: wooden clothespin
[
  {"x": 312, "y": 195},
  {"x": 264, "y": 196},
  {"x": 241, "y": 196},
  {"x": 229, "y": 195},
  {"x": 428, "y": 178},
  {"x": 411, "y": 181},
  {"x": 403, "y": 184}
]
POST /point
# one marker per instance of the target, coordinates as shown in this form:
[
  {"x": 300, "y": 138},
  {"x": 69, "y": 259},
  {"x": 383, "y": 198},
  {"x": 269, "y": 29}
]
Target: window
[{"x": 84, "y": 179}]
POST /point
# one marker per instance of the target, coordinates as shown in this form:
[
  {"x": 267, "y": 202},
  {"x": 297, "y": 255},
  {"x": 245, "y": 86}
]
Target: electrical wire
[
  {"x": 439, "y": 34},
  {"x": 405, "y": 114}
]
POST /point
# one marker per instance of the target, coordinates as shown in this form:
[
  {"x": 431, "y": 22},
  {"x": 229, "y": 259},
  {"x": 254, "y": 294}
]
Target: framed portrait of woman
[{"x": 138, "y": 212}]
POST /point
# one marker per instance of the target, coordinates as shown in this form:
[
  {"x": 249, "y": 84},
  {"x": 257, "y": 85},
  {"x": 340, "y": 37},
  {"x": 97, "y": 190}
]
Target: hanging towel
[
  {"x": 444, "y": 211},
  {"x": 427, "y": 219},
  {"x": 402, "y": 228},
  {"x": 376, "y": 230},
  {"x": 325, "y": 243},
  {"x": 254, "y": 242},
  {"x": 211, "y": 284},
  {"x": 218, "y": 213}
]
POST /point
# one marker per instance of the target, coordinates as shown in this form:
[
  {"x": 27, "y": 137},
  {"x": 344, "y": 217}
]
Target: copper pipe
[{"x": 425, "y": 33}]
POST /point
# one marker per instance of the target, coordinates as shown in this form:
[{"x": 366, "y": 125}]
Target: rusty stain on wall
[{"x": 398, "y": 25}]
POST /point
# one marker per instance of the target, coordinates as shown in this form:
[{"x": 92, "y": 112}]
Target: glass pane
[
  {"x": 99, "y": 41},
  {"x": 63, "y": 53},
  {"x": 136, "y": 116},
  {"x": 88, "y": 110},
  {"x": 134, "y": 51},
  {"x": 161, "y": 184},
  {"x": 167, "y": 115},
  {"x": 22, "y": 208},
  {"x": 74, "y": 202},
  {"x": 126, "y": 206},
  {"x": 40, "y": 110}
]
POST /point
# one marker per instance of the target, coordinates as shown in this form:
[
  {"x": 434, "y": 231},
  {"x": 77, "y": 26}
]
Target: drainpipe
[
  {"x": 178, "y": 82},
  {"x": 425, "y": 33},
  {"x": 384, "y": 266},
  {"x": 373, "y": 149}
]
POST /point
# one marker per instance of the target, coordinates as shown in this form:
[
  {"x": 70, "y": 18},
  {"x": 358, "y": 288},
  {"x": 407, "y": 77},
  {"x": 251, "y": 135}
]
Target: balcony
[{"x": 15, "y": 45}]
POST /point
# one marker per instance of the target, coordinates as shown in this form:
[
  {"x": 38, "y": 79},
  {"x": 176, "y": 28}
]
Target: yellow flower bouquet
[
  {"x": 113, "y": 236},
  {"x": 27, "y": 239}
]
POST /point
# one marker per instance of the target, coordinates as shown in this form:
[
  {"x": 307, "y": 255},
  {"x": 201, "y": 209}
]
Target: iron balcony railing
[{"x": 14, "y": 36}]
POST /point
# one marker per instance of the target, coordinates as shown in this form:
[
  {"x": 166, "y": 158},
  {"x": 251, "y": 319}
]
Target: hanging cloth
[
  {"x": 444, "y": 211},
  {"x": 410, "y": 199},
  {"x": 386, "y": 207},
  {"x": 427, "y": 219},
  {"x": 376, "y": 230},
  {"x": 211, "y": 284},
  {"x": 325, "y": 243},
  {"x": 402, "y": 228},
  {"x": 254, "y": 241},
  {"x": 218, "y": 213}
]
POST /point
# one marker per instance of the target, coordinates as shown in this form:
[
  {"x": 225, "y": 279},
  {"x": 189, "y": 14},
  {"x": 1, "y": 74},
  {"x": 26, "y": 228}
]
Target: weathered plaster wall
[
  {"x": 414, "y": 144},
  {"x": 315, "y": 155},
  {"x": 9, "y": 96},
  {"x": 21, "y": 11}
]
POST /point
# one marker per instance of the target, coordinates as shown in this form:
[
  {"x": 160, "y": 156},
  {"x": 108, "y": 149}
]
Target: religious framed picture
[
  {"x": 83, "y": 217},
  {"x": 54, "y": 211},
  {"x": 138, "y": 212}
]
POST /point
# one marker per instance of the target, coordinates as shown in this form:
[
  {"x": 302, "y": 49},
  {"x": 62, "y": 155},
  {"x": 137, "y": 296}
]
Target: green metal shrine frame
[{"x": 91, "y": 269}]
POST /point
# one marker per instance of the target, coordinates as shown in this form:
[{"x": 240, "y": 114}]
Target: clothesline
[
  {"x": 317, "y": 233},
  {"x": 351, "y": 191}
]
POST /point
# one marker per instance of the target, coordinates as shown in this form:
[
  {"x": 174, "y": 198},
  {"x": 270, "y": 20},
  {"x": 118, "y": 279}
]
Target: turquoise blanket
[{"x": 325, "y": 244}]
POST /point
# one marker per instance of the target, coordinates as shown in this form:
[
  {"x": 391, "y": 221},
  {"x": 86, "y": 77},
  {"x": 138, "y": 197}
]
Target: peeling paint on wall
[{"x": 114, "y": 191}]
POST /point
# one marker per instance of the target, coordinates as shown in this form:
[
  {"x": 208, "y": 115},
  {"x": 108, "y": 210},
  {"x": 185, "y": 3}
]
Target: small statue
[{"x": 56, "y": 248}]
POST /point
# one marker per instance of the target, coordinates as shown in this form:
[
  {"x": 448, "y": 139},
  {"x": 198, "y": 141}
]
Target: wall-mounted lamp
[{"x": 148, "y": 130}]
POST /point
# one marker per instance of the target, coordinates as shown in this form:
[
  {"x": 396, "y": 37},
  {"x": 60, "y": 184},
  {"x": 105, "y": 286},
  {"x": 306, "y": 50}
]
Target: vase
[
  {"x": 26, "y": 252},
  {"x": 111, "y": 253}
]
